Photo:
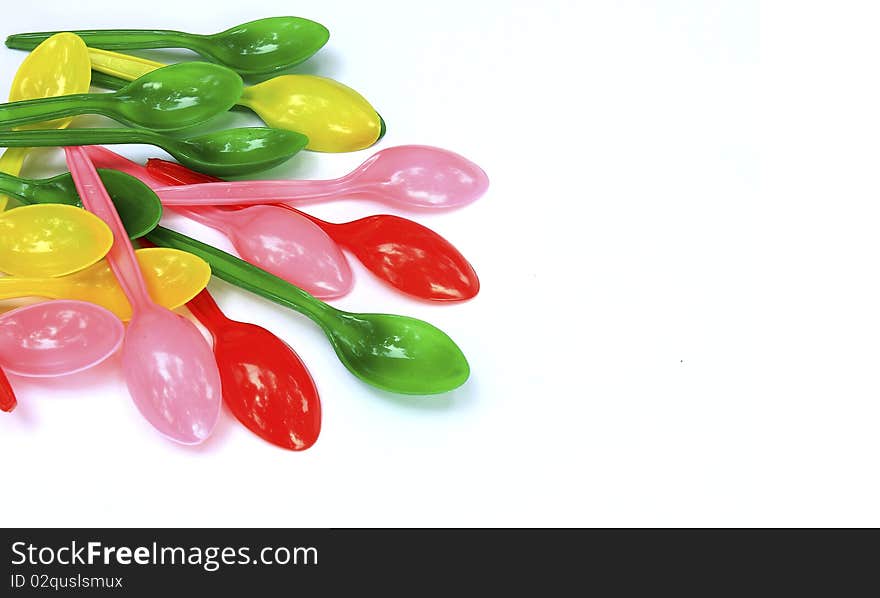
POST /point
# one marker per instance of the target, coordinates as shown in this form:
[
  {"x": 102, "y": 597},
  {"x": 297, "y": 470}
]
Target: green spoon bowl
[{"x": 139, "y": 208}]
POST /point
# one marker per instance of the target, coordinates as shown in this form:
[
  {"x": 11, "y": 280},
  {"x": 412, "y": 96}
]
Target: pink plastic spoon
[
  {"x": 56, "y": 338},
  {"x": 286, "y": 244},
  {"x": 169, "y": 367},
  {"x": 406, "y": 176}
]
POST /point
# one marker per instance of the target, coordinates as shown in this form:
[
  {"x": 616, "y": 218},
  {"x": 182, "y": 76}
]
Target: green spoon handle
[
  {"x": 17, "y": 187},
  {"x": 105, "y": 81},
  {"x": 43, "y": 109},
  {"x": 115, "y": 39},
  {"x": 46, "y": 138},
  {"x": 248, "y": 277}
]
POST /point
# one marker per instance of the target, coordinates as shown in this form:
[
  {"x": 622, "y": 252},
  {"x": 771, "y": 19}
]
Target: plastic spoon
[
  {"x": 138, "y": 207},
  {"x": 285, "y": 244},
  {"x": 410, "y": 257},
  {"x": 167, "y": 99},
  {"x": 394, "y": 353},
  {"x": 406, "y": 176},
  {"x": 333, "y": 116},
  {"x": 51, "y": 240},
  {"x": 58, "y": 66},
  {"x": 265, "y": 383},
  {"x": 229, "y": 152},
  {"x": 56, "y": 338},
  {"x": 169, "y": 368},
  {"x": 252, "y": 48},
  {"x": 173, "y": 278}
]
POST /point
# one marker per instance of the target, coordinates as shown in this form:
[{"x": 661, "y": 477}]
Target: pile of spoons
[{"x": 73, "y": 239}]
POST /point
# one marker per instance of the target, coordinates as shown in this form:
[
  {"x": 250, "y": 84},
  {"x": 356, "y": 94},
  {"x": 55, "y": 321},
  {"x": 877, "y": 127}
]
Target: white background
[{"x": 678, "y": 323}]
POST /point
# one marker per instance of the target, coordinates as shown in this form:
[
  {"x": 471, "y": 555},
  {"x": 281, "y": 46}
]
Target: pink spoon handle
[
  {"x": 241, "y": 193},
  {"x": 96, "y": 200},
  {"x": 101, "y": 157}
]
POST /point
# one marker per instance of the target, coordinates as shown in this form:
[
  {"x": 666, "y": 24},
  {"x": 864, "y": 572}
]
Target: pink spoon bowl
[{"x": 56, "y": 338}]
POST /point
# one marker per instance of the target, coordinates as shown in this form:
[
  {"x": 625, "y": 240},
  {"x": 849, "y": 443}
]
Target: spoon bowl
[
  {"x": 178, "y": 96},
  {"x": 58, "y": 66},
  {"x": 285, "y": 244},
  {"x": 265, "y": 383},
  {"x": 173, "y": 277},
  {"x": 139, "y": 208},
  {"x": 56, "y": 338},
  {"x": 51, "y": 240}
]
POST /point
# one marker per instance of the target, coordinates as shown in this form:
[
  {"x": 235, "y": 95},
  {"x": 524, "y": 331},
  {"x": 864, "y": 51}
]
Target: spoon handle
[
  {"x": 53, "y": 138},
  {"x": 13, "y": 287},
  {"x": 43, "y": 109},
  {"x": 10, "y": 163},
  {"x": 114, "y": 39},
  {"x": 122, "y": 66},
  {"x": 15, "y": 186},
  {"x": 96, "y": 200},
  {"x": 248, "y": 277},
  {"x": 251, "y": 192},
  {"x": 208, "y": 312},
  {"x": 7, "y": 395}
]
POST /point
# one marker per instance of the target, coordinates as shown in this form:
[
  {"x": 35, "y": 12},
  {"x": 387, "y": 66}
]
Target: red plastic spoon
[
  {"x": 265, "y": 383},
  {"x": 410, "y": 257}
]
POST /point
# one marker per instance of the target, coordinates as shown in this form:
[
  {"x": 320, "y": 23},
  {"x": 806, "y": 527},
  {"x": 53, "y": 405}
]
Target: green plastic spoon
[
  {"x": 167, "y": 99},
  {"x": 230, "y": 152},
  {"x": 254, "y": 48},
  {"x": 139, "y": 208},
  {"x": 394, "y": 353}
]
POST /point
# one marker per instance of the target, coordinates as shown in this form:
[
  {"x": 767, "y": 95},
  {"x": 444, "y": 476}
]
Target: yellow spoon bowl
[
  {"x": 58, "y": 66},
  {"x": 333, "y": 116},
  {"x": 51, "y": 240},
  {"x": 173, "y": 277}
]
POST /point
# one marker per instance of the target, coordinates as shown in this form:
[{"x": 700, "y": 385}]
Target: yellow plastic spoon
[
  {"x": 58, "y": 66},
  {"x": 333, "y": 116},
  {"x": 173, "y": 277},
  {"x": 51, "y": 240}
]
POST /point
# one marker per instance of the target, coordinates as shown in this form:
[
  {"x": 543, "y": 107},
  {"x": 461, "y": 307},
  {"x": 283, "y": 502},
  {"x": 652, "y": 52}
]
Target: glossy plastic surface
[
  {"x": 56, "y": 338},
  {"x": 230, "y": 152},
  {"x": 254, "y": 48},
  {"x": 406, "y": 176},
  {"x": 169, "y": 368},
  {"x": 333, "y": 116},
  {"x": 173, "y": 97},
  {"x": 408, "y": 256},
  {"x": 58, "y": 66},
  {"x": 51, "y": 240},
  {"x": 173, "y": 278},
  {"x": 286, "y": 244},
  {"x": 139, "y": 208},
  {"x": 394, "y": 353},
  {"x": 8, "y": 401},
  {"x": 265, "y": 383}
]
